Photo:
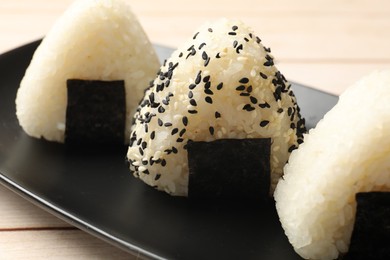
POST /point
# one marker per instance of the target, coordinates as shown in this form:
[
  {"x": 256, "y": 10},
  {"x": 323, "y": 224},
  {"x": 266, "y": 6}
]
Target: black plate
[{"x": 93, "y": 190}]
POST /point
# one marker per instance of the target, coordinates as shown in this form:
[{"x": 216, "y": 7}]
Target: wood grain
[{"x": 326, "y": 44}]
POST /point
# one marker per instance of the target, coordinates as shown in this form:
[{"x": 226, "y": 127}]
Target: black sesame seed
[
  {"x": 167, "y": 124},
  {"x": 146, "y": 128},
  {"x": 280, "y": 110},
  {"x": 144, "y": 144},
  {"x": 211, "y": 130},
  {"x": 206, "y": 79},
  {"x": 251, "y": 35},
  {"x": 192, "y": 53},
  {"x": 244, "y": 94},
  {"x": 190, "y": 94},
  {"x": 270, "y": 58},
  {"x": 182, "y": 132},
  {"x": 263, "y": 75},
  {"x": 185, "y": 121},
  {"x": 198, "y": 77},
  {"x": 253, "y": 100},
  {"x": 169, "y": 74},
  {"x": 292, "y": 148},
  {"x": 165, "y": 102},
  {"x": 157, "y": 177},
  {"x": 207, "y": 62},
  {"x": 179, "y": 140},
  {"x": 196, "y": 34},
  {"x": 160, "y": 87},
  {"x": 246, "y": 39},
  {"x": 278, "y": 93},
  {"x": 192, "y": 86},
  {"x": 244, "y": 80},
  {"x": 235, "y": 27},
  {"x": 151, "y": 97},
  {"x": 258, "y": 39},
  {"x": 239, "y": 48},
  {"x": 152, "y": 135},
  {"x": 292, "y": 126},
  {"x": 210, "y": 30},
  {"x": 180, "y": 55},
  {"x": 161, "y": 109},
  {"x": 265, "y": 105},
  {"x": 144, "y": 162},
  {"x": 202, "y": 45},
  {"x": 139, "y": 141},
  {"x": 232, "y": 33},
  {"x": 193, "y": 102},
  {"x": 235, "y": 43},
  {"x": 217, "y": 115},
  {"x": 190, "y": 48},
  {"x": 174, "y": 149},
  {"x": 217, "y": 56},
  {"x": 248, "y": 108},
  {"x": 192, "y": 111},
  {"x": 240, "y": 88},
  {"x": 268, "y": 63},
  {"x": 289, "y": 111},
  {"x": 168, "y": 151},
  {"x": 204, "y": 55},
  {"x": 207, "y": 85},
  {"x": 208, "y": 91},
  {"x": 249, "y": 89},
  {"x": 174, "y": 131},
  {"x": 163, "y": 162},
  {"x": 140, "y": 151},
  {"x": 220, "y": 86},
  {"x": 267, "y": 49},
  {"x": 264, "y": 123},
  {"x": 208, "y": 100}
]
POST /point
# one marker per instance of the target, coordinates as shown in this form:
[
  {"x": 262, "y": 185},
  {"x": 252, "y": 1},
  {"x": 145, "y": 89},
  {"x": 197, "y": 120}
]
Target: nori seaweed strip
[
  {"x": 371, "y": 234},
  {"x": 96, "y": 112},
  {"x": 229, "y": 169}
]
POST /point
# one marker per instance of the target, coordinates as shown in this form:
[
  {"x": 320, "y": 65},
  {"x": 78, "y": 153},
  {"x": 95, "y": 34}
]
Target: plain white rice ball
[
  {"x": 92, "y": 40},
  {"x": 347, "y": 152},
  {"x": 221, "y": 84}
]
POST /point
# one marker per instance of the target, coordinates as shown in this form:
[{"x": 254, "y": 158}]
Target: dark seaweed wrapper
[
  {"x": 371, "y": 234},
  {"x": 229, "y": 169},
  {"x": 96, "y": 112}
]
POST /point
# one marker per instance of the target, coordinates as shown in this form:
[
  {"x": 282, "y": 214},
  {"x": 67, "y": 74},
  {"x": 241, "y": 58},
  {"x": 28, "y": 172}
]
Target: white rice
[
  {"x": 347, "y": 152},
  {"x": 92, "y": 40},
  {"x": 225, "y": 52}
]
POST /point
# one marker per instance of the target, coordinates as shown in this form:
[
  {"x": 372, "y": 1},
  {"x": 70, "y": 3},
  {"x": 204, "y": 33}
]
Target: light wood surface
[{"x": 324, "y": 44}]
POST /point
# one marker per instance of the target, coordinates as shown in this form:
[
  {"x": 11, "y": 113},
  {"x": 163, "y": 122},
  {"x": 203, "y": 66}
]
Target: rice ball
[
  {"x": 92, "y": 40},
  {"x": 221, "y": 84},
  {"x": 346, "y": 153}
]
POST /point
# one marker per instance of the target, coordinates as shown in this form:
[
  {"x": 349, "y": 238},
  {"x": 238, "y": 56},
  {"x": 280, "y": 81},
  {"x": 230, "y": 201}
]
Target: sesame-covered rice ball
[{"x": 221, "y": 84}]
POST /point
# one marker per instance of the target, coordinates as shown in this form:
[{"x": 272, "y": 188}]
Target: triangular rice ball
[
  {"x": 222, "y": 84},
  {"x": 93, "y": 40}
]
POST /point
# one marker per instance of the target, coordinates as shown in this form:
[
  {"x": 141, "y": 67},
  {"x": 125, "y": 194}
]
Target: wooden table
[{"x": 324, "y": 44}]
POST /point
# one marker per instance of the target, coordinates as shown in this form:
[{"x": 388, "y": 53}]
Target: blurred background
[{"x": 326, "y": 44}]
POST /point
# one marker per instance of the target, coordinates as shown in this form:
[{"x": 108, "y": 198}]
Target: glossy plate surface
[{"x": 93, "y": 190}]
